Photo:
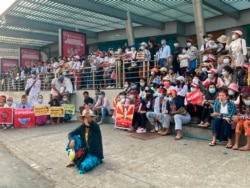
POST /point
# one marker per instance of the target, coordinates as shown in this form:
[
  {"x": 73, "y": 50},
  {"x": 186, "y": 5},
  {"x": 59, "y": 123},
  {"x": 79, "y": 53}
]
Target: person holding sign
[
  {"x": 24, "y": 103},
  {"x": 9, "y": 104},
  {"x": 40, "y": 120},
  {"x": 85, "y": 143},
  {"x": 54, "y": 102},
  {"x": 65, "y": 100},
  {"x": 58, "y": 86}
]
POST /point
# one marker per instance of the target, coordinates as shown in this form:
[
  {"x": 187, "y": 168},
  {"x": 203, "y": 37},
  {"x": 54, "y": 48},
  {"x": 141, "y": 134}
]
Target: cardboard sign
[
  {"x": 57, "y": 112},
  {"x": 41, "y": 110},
  {"x": 69, "y": 108},
  {"x": 24, "y": 118},
  {"x": 124, "y": 116},
  {"x": 140, "y": 55},
  {"x": 6, "y": 115},
  {"x": 194, "y": 97}
]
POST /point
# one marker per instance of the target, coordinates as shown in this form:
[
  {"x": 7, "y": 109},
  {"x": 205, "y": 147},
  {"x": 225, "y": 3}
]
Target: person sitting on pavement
[
  {"x": 87, "y": 100},
  {"x": 85, "y": 143},
  {"x": 103, "y": 105},
  {"x": 40, "y": 120},
  {"x": 65, "y": 100},
  {"x": 54, "y": 103},
  {"x": 24, "y": 103},
  {"x": 9, "y": 104}
]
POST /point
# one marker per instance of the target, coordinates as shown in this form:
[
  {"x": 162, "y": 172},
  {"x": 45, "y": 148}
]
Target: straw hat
[
  {"x": 222, "y": 39},
  {"x": 84, "y": 113}
]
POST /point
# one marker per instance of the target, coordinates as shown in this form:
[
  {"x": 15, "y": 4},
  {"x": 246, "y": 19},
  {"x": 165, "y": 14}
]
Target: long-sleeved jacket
[{"x": 230, "y": 106}]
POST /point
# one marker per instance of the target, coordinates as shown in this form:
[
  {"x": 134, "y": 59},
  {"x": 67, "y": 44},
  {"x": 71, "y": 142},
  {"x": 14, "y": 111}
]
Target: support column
[
  {"x": 129, "y": 30},
  {"x": 199, "y": 21}
]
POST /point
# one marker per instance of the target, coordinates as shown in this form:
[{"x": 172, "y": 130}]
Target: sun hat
[
  {"x": 171, "y": 91},
  {"x": 77, "y": 56},
  {"x": 84, "y": 113},
  {"x": 239, "y": 32},
  {"x": 154, "y": 70},
  {"x": 163, "y": 69},
  {"x": 213, "y": 71},
  {"x": 190, "y": 40},
  {"x": 222, "y": 39},
  {"x": 9, "y": 99},
  {"x": 144, "y": 44},
  {"x": 180, "y": 78},
  {"x": 234, "y": 87},
  {"x": 195, "y": 85}
]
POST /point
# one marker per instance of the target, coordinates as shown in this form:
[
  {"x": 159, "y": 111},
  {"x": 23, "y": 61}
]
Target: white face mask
[
  {"x": 152, "y": 73},
  {"x": 126, "y": 85},
  {"x": 132, "y": 49},
  {"x": 176, "y": 44},
  {"x": 192, "y": 89},
  {"x": 40, "y": 101},
  {"x": 226, "y": 61},
  {"x": 111, "y": 52},
  {"x": 126, "y": 50},
  {"x": 205, "y": 39},
  {"x": 189, "y": 44},
  {"x": 233, "y": 37},
  {"x": 184, "y": 51}
]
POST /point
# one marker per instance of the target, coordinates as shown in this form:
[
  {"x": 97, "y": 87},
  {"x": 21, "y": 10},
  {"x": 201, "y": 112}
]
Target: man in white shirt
[
  {"x": 208, "y": 49},
  {"x": 164, "y": 53},
  {"x": 192, "y": 52},
  {"x": 35, "y": 84},
  {"x": 58, "y": 86}
]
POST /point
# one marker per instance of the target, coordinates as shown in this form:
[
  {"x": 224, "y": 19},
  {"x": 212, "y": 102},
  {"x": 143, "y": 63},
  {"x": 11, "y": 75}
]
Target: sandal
[
  {"x": 212, "y": 144},
  {"x": 229, "y": 146},
  {"x": 70, "y": 164},
  {"x": 178, "y": 138}
]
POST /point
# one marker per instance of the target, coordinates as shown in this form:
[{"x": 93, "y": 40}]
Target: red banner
[
  {"x": 72, "y": 43},
  {"x": 7, "y": 64},
  {"x": 29, "y": 56},
  {"x": 24, "y": 118},
  {"x": 124, "y": 116},
  {"x": 6, "y": 115},
  {"x": 194, "y": 97}
]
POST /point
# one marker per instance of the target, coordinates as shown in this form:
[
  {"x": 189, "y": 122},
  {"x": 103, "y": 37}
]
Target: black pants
[
  {"x": 142, "y": 120},
  {"x": 194, "y": 110},
  {"x": 136, "y": 120},
  {"x": 205, "y": 116}
]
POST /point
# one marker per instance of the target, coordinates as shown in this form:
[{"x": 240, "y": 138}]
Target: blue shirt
[
  {"x": 164, "y": 52},
  {"x": 21, "y": 105}
]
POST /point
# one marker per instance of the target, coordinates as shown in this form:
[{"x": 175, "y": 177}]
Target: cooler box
[{"x": 24, "y": 118}]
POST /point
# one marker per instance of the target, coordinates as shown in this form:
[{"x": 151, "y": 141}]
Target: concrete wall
[{"x": 77, "y": 97}]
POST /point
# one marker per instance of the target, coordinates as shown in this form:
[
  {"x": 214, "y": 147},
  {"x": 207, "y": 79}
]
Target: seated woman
[
  {"x": 176, "y": 109},
  {"x": 224, "y": 110},
  {"x": 208, "y": 104},
  {"x": 233, "y": 93},
  {"x": 85, "y": 142},
  {"x": 54, "y": 102},
  {"x": 40, "y": 120},
  {"x": 227, "y": 76},
  {"x": 9, "y": 104},
  {"x": 243, "y": 121},
  {"x": 65, "y": 100},
  {"x": 24, "y": 103}
]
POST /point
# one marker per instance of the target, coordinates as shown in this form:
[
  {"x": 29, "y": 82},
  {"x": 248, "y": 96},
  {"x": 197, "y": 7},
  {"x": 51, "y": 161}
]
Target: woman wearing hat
[
  {"x": 221, "y": 42},
  {"x": 233, "y": 93},
  {"x": 237, "y": 47},
  {"x": 213, "y": 77},
  {"x": 86, "y": 142}
]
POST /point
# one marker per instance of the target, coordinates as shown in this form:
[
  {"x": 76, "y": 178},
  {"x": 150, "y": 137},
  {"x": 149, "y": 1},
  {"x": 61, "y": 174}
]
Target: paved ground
[{"x": 130, "y": 162}]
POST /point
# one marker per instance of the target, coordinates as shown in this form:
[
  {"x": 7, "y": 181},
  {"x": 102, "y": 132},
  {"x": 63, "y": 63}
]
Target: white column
[{"x": 129, "y": 30}]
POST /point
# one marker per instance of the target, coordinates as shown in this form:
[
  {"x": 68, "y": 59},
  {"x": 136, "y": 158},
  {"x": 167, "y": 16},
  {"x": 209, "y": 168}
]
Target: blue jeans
[
  {"x": 162, "y": 62},
  {"x": 104, "y": 113}
]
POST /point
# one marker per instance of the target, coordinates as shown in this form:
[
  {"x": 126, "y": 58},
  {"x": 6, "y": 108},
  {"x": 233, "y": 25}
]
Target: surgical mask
[
  {"x": 119, "y": 50},
  {"x": 131, "y": 96},
  {"x": 184, "y": 51},
  {"x": 223, "y": 102},
  {"x": 122, "y": 97},
  {"x": 226, "y": 61},
  {"x": 40, "y": 101},
  {"x": 152, "y": 73},
  {"x": 233, "y": 37},
  {"x": 9, "y": 103},
  {"x": 132, "y": 49},
  {"x": 126, "y": 50},
  {"x": 192, "y": 89},
  {"x": 159, "y": 94},
  {"x": 209, "y": 76},
  {"x": 205, "y": 39},
  {"x": 133, "y": 87},
  {"x": 189, "y": 44},
  {"x": 231, "y": 93},
  {"x": 33, "y": 75},
  {"x": 170, "y": 99},
  {"x": 126, "y": 85},
  {"x": 176, "y": 44},
  {"x": 247, "y": 102},
  {"x": 203, "y": 69},
  {"x": 142, "y": 48},
  {"x": 142, "y": 84},
  {"x": 211, "y": 90},
  {"x": 65, "y": 99},
  {"x": 163, "y": 42},
  {"x": 224, "y": 73},
  {"x": 64, "y": 73},
  {"x": 196, "y": 81}
]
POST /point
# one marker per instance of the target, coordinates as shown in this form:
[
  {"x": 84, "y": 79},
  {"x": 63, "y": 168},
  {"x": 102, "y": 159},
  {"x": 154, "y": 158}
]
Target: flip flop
[
  {"x": 69, "y": 165},
  {"x": 212, "y": 144},
  {"x": 178, "y": 138},
  {"x": 229, "y": 146}
]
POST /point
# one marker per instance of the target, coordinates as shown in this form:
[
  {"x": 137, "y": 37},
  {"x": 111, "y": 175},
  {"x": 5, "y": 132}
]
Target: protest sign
[
  {"x": 6, "y": 115},
  {"x": 24, "y": 118},
  {"x": 69, "y": 108},
  {"x": 124, "y": 116},
  {"x": 42, "y": 110},
  {"x": 57, "y": 112}
]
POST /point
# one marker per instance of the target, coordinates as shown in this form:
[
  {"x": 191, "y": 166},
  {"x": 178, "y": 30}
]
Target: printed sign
[
  {"x": 6, "y": 115},
  {"x": 29, "y": 57},
  {"x": 194, "y": 97},
  {"x": 24, "y": 118},
  {"x": 69, "y": 108},
  {"x": 72, "y": 43},
  {"x": 57, "y": 112},
  {"x": 124, "y": 116},
  {"x": 42, "y": 110},
  {"x": 8, "y": 64}
]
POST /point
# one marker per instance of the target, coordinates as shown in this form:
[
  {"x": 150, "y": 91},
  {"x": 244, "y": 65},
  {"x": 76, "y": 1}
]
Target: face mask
[
  {"x": 247, "y": 102},
  {"x": 230, "y": 92},
  {"x": 131, "y": 96},
  {"x": 142, "y": 48},
  {"x": 126, "y": 50},
  {"x": 170, "y": 99},
  {"x": 122, "y": 97},
  {"x": 9, "y": 103},
  {"x": 111, "y": 52},
  {"x": 203, "y": 69},
  {"x": 40, "y": 101},
  {"x": 226, "y": 61},
  {"x": 192, "y": 89},
  {"x": 126, "y": 85},
  {"x": 159, "y": 94},
  {"x": 33, "y": 75},
  {"x": 209, "y": 76},
  {"x": 65, "y": 99},
  {"x": 176, "y": 44},
  {"x": 205, "y": 39},
  {"x": 119, "y": 50},
  {"x": 195, "y": 80},
  {"x": 211, "y": 90},
  {"x": 142, "y": 84},
  {"x": 133, "y": 87},
  {"x": 64, "y": 74},
  {"x": 132, "y": 49},
  {"x": 163, "y": 42},
  {"x": 184, "y": 51},
  {"x": 166, "y": 84},
  {"x": 233, "y": 37},
  {"x": 224, "y": 73},
  {"x": 152, "y": 73},
  {"x": 189, "y": 44}
]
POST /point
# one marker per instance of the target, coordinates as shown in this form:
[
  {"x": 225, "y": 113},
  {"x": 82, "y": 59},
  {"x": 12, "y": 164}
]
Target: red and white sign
[
  {"x": 24, "y": 118},
  {"x": 6, "y": 115},
  {"x": 29, "y": 57},
  {"x": 124, "y": 116},
  {"x": 194, "y": 97},
  {"x": 72, "y": 43},
  {"x": 7, "y": 64}
]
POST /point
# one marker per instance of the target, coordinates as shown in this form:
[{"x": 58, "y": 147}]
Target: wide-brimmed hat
[
  {"x": 84, "y": 113},
  {"x": 213, "y": 71},
  {"x": 222, "y": 39},
  {"x": 163, "y": 69},
  {"x": 9, "y": 99},
  {"x": 239, "y": 32},
  {"x": 234, "y": 87},
  {"x": 180, "y": 78}
]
